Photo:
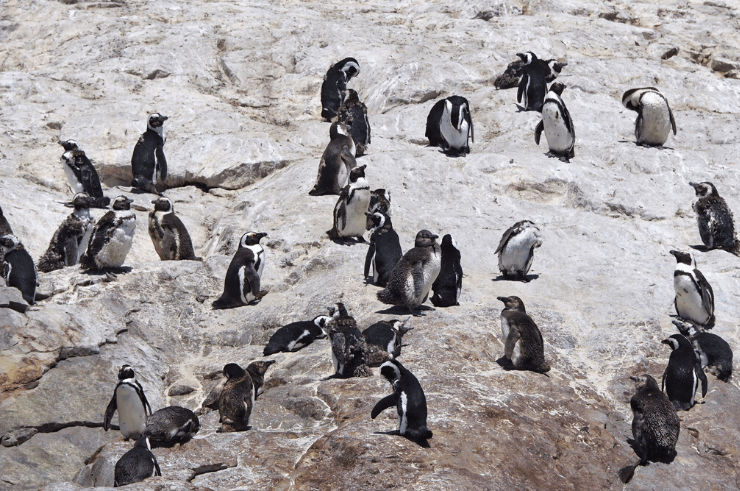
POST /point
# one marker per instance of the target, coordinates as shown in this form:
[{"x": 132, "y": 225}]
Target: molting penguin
[
  {"x": 336, "y": 163},
  {"x": 654, "y": 117},
  {"x": 353, "y": 114},
  {"x": 81, "y": 174},
  {"x": 236, "y": 400},
  {"x": 380, "y": 200},
  {"x": 242, "y": 281},
  {"x": 716, "y": 225},
  {"x": 682, "y": 375},
  {"x": 335, "y": 84},
  {"x": 387, "y": 335},
  {"x": 148, "y": 162},
  {"x": 349, "y": 212},
  {"x": 17, "y": 267},
  {"x": 449, "y": 125},
  {"x": 111, "y": 238},
  {"x": 410, "y": 402},
  {"x": 523, "y": 343},
  {"x": 130, "y": 401},
  {"x": 169, "y": 235},
  {"x": 384, "y": 251},
  {"x": 694, "y": 296},
  {"x": 72, "y": 237},
  {"x": 137, "y": 464},
  {"x": 557, "y": 124},
  {"x": 532, "y": 85},
  {"x": 296, "y": 335},
  {"x": 170, "y": 425},
  {"x": 448, "y": 285},
  {"x": 713, "y": 351},
  {"x": 412, "y": 277},
  {"x": 4, "y": 225},
  {"x": 348, "y": 346},
  {"x": 516, "y": 249}
]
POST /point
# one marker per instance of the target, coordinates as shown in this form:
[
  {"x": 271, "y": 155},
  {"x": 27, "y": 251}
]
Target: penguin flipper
[
  {"x": 91, "y": 181},
  {"x": 417, "y": 273},
  {"x": 673, "y": 121},
  {"x": 522, "y": 86},
  {"x": 702, "y": 377},
  {"x": 707, "y": 295},
  {"x": 70, "y": 251},
  {"x": 383, "y": 404},
  {"x": 538, "y": 131},
  {"x": 157, "y": 470},
  {"x": 349, "y": 160},
  {"x": 112, "y": 406},
  {"x": 369, "y": 258},
  {"x": 161, "y": 162},
  {"x": 504, "y": 239},
  {"x": 662, "y": 380},
  {"x": 140, "y": 391},
  {"x": 251, "y": 280},
  {"x": 511, "y": 341},
  {"x": 340, "y": 211}
]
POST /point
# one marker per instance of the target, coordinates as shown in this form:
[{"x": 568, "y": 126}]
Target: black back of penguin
[
  {"x": 137, "y": 464},
  {"x": 335, "y": 84},
  {"x": 242, "y": 280},
  {"x": 170, "y": 425},
  {"x": 387, "y": 335},
  {"x": 532, "y": 86},
  {"x": 148, "y": 162},
  {"x": 448, "y": 285},
  {"x": 714, "y": 352},
  {"x": 347, "y": 345},
  {"x": 353, "y": 113},
  {"x": 683, "y": 374},
  {"x": 336, "y": 162},
  {"x": 81, "y": 174},
  {"x": 170, "y": 237},
  {"x": 384, "y": 251},
  {"x": 655, "y": 424},
  {"x": 17, "y": 267},
  {"x": 296, "y": 335},
  {"x": 714, "y": 217}
]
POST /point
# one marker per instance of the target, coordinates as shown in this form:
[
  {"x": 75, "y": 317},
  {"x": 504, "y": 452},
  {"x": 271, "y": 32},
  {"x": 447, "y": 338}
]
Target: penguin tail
[
  {"x": 543, "y": 368},
  {"x": 419, "y": 435},
  {"x": 385, "y": 296},
  {"x": 734, "y": 248},
  {"x": 224, "y": 302},
  {"x": 626, "y": 472}
]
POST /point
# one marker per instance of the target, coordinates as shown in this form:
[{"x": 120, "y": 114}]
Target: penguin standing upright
[
  {"x": 716, "y": 225},
  {"x": 348, "y": 347},
  {"x": 148, "y": 162},
  {"x": 654, "y": 117},
  {"x": 71, "y": 239},
  {"x": 130, "y": 401},
  {"x": 5, "y": 228},
  {"x": 296, "y": 335},
  {"x": 236, "y": 401},
  {"x": 450, "y": 125},
  {"x": 82, "y": 176},
  {"x": 557, "y": 124},
  {"x": 387, "y": 335},
  {"x": 335, "y": 84},
  {"x": 336, "y": 163},
  {"x": 532, "y": 86},
  {"x": 513, "y": 73},
  {"x": 713, "y": 351},
  {"x": 694, "y": 296},
  {"x": 523, "y": 344},
  {"x": 17, "y": 267},
  {"x": 353, "y": 113},
  {"x": 136, "y": 465},
  {"x": 682, "y": 375},
  {"x": 170, "y": 425},
  {"x": 170, "y": 237},
  {"x": 242, "y": 281},
  {"x": 349, "y": 212},
  {"x": 448, "y": 285},
  {"x": 111, "y": 238},
  {"x": 384, "y": 251},
  {"x": 516, "y": 249}
]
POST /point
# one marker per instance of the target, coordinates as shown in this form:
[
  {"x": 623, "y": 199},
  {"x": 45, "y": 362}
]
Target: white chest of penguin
[
  {"x": 131, "y": 411},
  {"x": 516, "y": 252},
  {"x": 689, "y": 300},
  {"x": 558, "y": 137},
  {"x": 355, "y": 208},
  {"x": 656, "y": 122},
  {"x": 456, "y": 139},
  {"x": 114, "y": 253}
]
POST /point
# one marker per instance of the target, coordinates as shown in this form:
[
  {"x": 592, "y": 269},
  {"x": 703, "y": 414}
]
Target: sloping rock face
[{"x": 240, "y": 83}]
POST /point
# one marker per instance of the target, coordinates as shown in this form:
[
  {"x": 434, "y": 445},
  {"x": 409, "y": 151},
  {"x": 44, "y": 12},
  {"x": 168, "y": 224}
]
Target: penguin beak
[
  {"x": 262, "y": 235},
  {"x": 666, "y": 341},
  {"x": 503, "y": 299},
  {"x": 673, "y": 253},
  {"x": 634, "y": 378},
  {"x": 163, "y": 118},
  {"x": 368, "y": 214},
  {"x": 435, "y": 236}
]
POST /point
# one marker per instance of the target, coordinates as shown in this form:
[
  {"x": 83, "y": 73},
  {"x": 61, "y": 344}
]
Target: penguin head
[
  {"x": 232, "y": 370},
  {"x": 351, "y": 96},
  {"x": 528, "y": 58},
  {"x": 8, "y": 243},
  {"x": 251, "y": 238},
  {"x": 645, "y": 381},
  {"x": 425, "y": 239},
  {"x": 339, "y": 311},
  {"x": 350, "y": 67},
  {"x": 163, "y": 204},
  {"x": 259, "y": 367},
  {"x": 377, "y": 219},
  {"x": 321, "y": 322},
  {"x": 337, "y": 129},
  {"x": 449, "y": 245},
  {"x": 143, "y": 442},
  {"x": 676, "y": 341},
  {"x": 684, "y": 258},
  {"x": 557, "y": 87},
  {"x": 400, "y": 326},
  {"x": 357, "y": 173},
  {"x": 155, "y": 121},
  {"x": 512, "y": 303},
  {"x": 391, "y": 370},
  {"x": 458, "y": 109},
  {"x": 685, "y": 328},
  {"x": 704, "y": 189},
  {"x": 69, "y": 145},
  {"x": 126, "y": 372},
  {"x": 122, "y": 203},
  {"x": 81, "y": 201}
]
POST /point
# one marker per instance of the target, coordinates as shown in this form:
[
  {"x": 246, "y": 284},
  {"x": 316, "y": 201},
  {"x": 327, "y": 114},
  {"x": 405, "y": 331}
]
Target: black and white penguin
[
  {"x": 348, "y": 347},
  {"x": 148, "y": 162},
  {"x": 170, "y": 425},
  {"x": 450, "y": 125},
  {"x": 349, "y": 212},
  {"x": 380, "y": 200},
  {"x": 654, "y": 117},
  {"x": 409, "y": 399},
  {"x": 532, "y": 86},
  {"x": 694, "y": 296},
  {"x": 130, "y": 401},
  {"x": 5, "y": 228},
  {"x": 513, "y": 73},
  {"x": 242, "y": 281},
  {"x": 336, "y": 163},
  {"x": 557, "y": 124},
  {"x": 297, "y": 335},
  {"x": 412, "y": 277},
  {"x": 714, "y": 352},
  {"x": 716, "y": 225},
  {"x": 170, "y": 237},
  {"x": 137, "y": 464},
  {"x": 384, "y": 251},
  {"x": 655, "y": 425},
  {"x": 335, "y": 84},
  {"x": 236, "y": 401},
  {"x": 516, "y": 249},
  {"x": 523, "y": 344},
  {"x": 17, "y": 267},
  {"x": 257, "y": 370},
  {"x": 82, "y": 176},
  {"x": 682, "y": 375},
  {"x": 353, "y": 113},
  {"x": 111, "y": 238},
  {"x": 387, "y": 335},
  {"x": 72, "y": 237},
  {"x": 448, "y": 285}
]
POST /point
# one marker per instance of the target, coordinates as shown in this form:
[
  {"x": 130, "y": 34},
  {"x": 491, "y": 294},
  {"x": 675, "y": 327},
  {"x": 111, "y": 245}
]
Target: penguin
[
  {"x": 557, "y": 124},
  {"x": 148, "y": 162},
  {"x": 169, "y": 235},
  {"x": 410, "y": 402},
  {"x": 682, "y": 375},
  {"x": 242, "y": 281},
  {"x": 170, "y": 425},
  {"x": 694, "y": 296},
  {"x": 296, "y": 335},
  {"x": 655, "y": 425},
  {"x": 72, "y": 237},
  {"x": 523, "y": 343},
  {"x": 130, "y": 401},
  {"x": 257, "y": 370},
  {"x": 450, "y": 125},
  {"x": 384, "y": 251},
  {"x": 81, "y": 175},
  {"x": 716, "y": 225},
  {"x": 448, "y": 285},
  {"x": 336, "y": 163},
  {"x": 349, "y": 212},
  {"x": 713, "y": 351},
  {"x": 516, "y": 249},
  {"x": 348, "y": 347},
  {"x": 5, "y": 228},
  {"x": 380, "y": 200},
  {"x": 532, "y": 86},
  {"x": 17, "y": 267},
  {"x": 654, "y": 117},
  {"x": 236, "y": 400},
  {"x": 353, "y": 113},
  {"x": 513, "y": 74},
  {"x": 335, "y": 84},
  {"x": 111, "y": 238},
  {"x": 412, "y": 277},
  {"x": 137, "y": 464},
  {"x": 387, "y": 335}
]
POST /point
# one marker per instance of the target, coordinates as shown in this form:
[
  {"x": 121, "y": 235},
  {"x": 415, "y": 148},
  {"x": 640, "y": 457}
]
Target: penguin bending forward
[
  {"x": 448, "y": 285},
  {"x": 81, "y": 175},
  {"x": 335, "y": 84},
  {"x": 242, "y": 281},
  {"x": 557, "y": 124},
  {"x": 348, "y": 347},
  {"x": 523, "y": 344},
  {"x": 17, "y": 267},
  {"x": 694, "y": 296},
  {"x": 387, "y": 335},
  {"x": 236, "y": 401},
  {"x": 72, "y": 237},
  {"x": 353, "y": 113},
  {"x": 170, "y": 237},
  {"x": 136, "y": 465},
  {"x": 148, "y": 162},
  {"x": 682, "y": 375},
  {"x": 516, "y": 249},
  {"x": 384, "y": 251},
  {"x": 336, "y": 163},
  {"x": 716, "y": 225},
  {"x": 111, "y": 238},
  {"x": 654, "y": 117},
  {"x": 532, "y": 86},
  {"x": 130, "y": 401},
  {"x": 713, "y": 351},
  {"x": 349, "y": 212},
  {"x": 170, "y": 425},
  {"x": 450, "y": 125}
]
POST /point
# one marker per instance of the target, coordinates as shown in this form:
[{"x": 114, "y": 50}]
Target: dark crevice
[
  {"x": 19, "y": 436},
  {"x": 207, "y": 469}
]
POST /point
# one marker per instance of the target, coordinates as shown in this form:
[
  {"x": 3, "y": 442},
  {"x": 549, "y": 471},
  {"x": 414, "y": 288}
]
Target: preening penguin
[
  {"x": 380, "y": 200},
  {"x": 694, "y": 296},
  {"x": 348, "y": 346},
  {"x": 17, "y": 267},
  {"x": 557, "y": 124},
  {"x": 384, "y": 251},
  {"x": 523, "y": 343},
  {"x": 336, "y": 163},
  {"x": 4, "y": 225},
  {"x": 716, "y": 225},
  {"x": 236, "y": 401},
  {"x": 450, "y": 125},
  {"x": 72, "y": 237},
  {"x": 137, "y": 464},
  {"x": 532, "y": 86},
  {"x": 297, "y": 335},
  {"x": 516, "y": 249},
  {"x": 713, "y": 351},
  {"x": 170, "y": 425},
  {"x": 242, "y": 281},
  {"x": 111, "y": 238},
  {"x": 654, "y": 117},
  {"x": 170, "y": 237},
  {"x": 353, "y": 113},
  {"x": 387, "y": 335},
  {"x": 349, "y": 212},
  {"x": 682, "y": 375},
  {"x": 448, "y": 285},
  {"x": 130, "y": 401},
  {"x": 148, "y": 162},
  {"x": 335, "y": 84},
  {"x": 81, "y": 174}
]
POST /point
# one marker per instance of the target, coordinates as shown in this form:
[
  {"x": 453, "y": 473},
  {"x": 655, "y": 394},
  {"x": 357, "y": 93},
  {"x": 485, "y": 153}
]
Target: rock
[
  {"x": 17, "y": 436},
  {"x": 11, "y": 298},
  {"x": 180, "y": 390}
]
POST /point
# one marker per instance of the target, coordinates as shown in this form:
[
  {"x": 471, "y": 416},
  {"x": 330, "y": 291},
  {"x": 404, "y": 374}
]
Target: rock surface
[{"x": 240, "y": 84}]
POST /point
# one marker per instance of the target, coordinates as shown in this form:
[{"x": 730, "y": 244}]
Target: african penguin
[
  {"x": 296, "y": 335},
  {"x": 349, "y": 212},
  {"x": 387, "y": 335},
  {"x": 654, "y": 117},
  {"x": 148, "y": 162},
  {"x": 130, "y": 401},
  {"x": 448, "y": 285},
  {"x": 532, "y": 86},
  {"x": 713, "y": 351},
  {"x": 716, "y": 225},
  {"x": 170, "y": 425},
  {"x": 335, "y": 84},
  {"x": 557, "y": 124},
  {"x": 336, "y": 163},
  {"x": 4, "y": 225},
  {"x": 694, "y": 296},
  {"x": 450, "y": 125},
  {"x": 409, "y": 399},
  {"x": 236, "y": 401},
  {"x": 257, "y": 370},
  {"x": 513, "y": 73},
  {"x": 682, "y": 375},
  {"x": 169, "y": 235},
  {"x": 353, "y": 113},
  {"x": 384, "y": 251},
  {"x": 137, "y": 464},
  {"x": 17, "y": 267},
  {"x": 412, "y": 277},
  {"x": 516, "y": 249},
  {"x": 380, "y": 200},
  {"x": 242, "y": 281},
  {"x": 111, "y": 238},
  {"x": 82, "y": 176},
  {"x": 348, "y": 346},
  {"x": 72, "y": 237},
  {"x": 523, "y": 344}
]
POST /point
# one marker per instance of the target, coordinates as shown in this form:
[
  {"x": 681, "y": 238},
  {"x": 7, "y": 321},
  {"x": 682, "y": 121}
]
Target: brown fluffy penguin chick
[{"x": 524, "y": 346}]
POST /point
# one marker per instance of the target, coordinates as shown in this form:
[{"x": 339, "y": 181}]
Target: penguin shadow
[
  {"x": 508, "y": 366},
  {"x": 110, "y": 274},
  {"x": 399, "y": 310},
  {"x": 657, "y": 147},
  {"x": 522, "y": 109},
  {"x": 524, "y": 279},
  {"x": 135, "y": 190},
  {"x": 421, "y": 443},
  {"x": 561, "y": 158},
  {"x": 348, "y": 241}
]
